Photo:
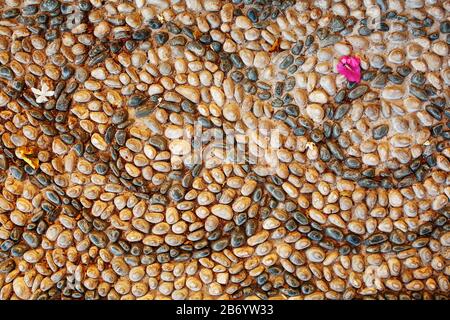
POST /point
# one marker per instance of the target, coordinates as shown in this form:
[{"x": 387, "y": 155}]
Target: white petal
[
  {"x": 49, "y": 93},
  {"x": 41, "y": 99},
  {"x": 45, "y": 87},
  {"x": 36, "y": 91}
]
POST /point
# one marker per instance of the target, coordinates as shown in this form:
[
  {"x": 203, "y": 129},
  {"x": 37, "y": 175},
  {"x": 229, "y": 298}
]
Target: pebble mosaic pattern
[{"x": 100, "y": 199}]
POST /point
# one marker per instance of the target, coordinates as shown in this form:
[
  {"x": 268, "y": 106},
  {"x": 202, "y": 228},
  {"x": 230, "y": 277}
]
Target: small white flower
[{"x": 41, "y": 95}]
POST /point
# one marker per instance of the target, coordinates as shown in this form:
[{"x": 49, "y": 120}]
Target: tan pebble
[
  {"x": 189, "y": 92},
  {"x": 21, "y": 290},
  {"x": 315, "y": 254},
  {"x": 179, "y": 147},
  {"x": 318, "y": 96},
  {"x": 82, "y": 96},
  {"x": 231, "y": 112},
  {"x": 241, "y": 204},
  {"x": 222, "y": 211},
  {"x": 261, "y": 60},
  {"x": 445, "y": 239},
  {"x": 393, "y": 92},
  {"x": 217, "y": 95},
  {"x": 315, "y": 112},
  {"x": 98, "y": 142}
]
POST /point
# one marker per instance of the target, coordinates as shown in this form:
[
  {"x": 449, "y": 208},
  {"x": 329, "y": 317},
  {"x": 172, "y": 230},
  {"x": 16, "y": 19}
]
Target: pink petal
[{"x": 349, "y": 67}]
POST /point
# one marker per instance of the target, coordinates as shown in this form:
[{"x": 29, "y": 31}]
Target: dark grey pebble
[
  {"x": 335, "y": 150},
  {"x": 357, "y": 92},
  {"x": 380, "y": 81},
  {"x": 301, "y": 218},
  {"x": 376, "y": 239},
  {"x": 334, "y": 233},
  {"x": 418, "y": 78},
  {"x": 119, "y": 116},
  {"x": 368, "y": 183},
  {"x": 7, "y": 266},
  {"x": 380, "y": 131},
  {"x": 435, "y": 112},
  {"x": 352, "y": 163},
  {"x": 176, "y": 192},
  {"x": 177, "y": 41},
  {"x": 397, "y": 237},
  {"x": 141, "y": 34},
  {"x": 276, "y": 192},
  {"x": 418, "y": 93},
  {"x": 336, "y": 24},
  {"x": 402, "y": 172},
  {"x": 220, "y": 244},
  {"x": 6, "y": 73},
  {"x": 11, "y": 13},
  {"x": 404, "y": 71},
  {"x": 158, "y": 142},
  {"x": 340, "y": 96},
  {"x": 120, "y": 137},
  {"x": 364, "y": 31},
  {"x": 137, "y": 99},
  {"x": 445, "y": 27},
  {"x": 237, "y": 61},
  {"x": 353, "y": 239},
  {"x": 286, "y": 62},
  {"x": 237, "y": 239},
  {"x": 341, "y": 111},
  {"x": 330, "y": 40},
  {"x": 196, "y": 48},
  {"x": 396, "y": 79},
  {"x": 32, "y": 239},
  {"x": 49, "y": 5},
  {"x": 161, "y": 38},
  {"x": 406, "y": 182},
  {"x": 98, "y": 238},
  {"x": 252, "y": 74},
  {"x": 352, "y": 175}
]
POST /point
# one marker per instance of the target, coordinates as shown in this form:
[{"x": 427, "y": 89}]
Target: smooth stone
[
  {"x": 136, "y": 100},
  {"x": 315, "y": 112},
  {"x": 334, "y": 233},
  {"x": 445, "y": 27},
  {"x": 179, "y": 147},
  {"x": 434, "y": 111},
  {"x": 276, "y": 192},
  {"x": 376, "y": 239},
  {"x": 330, "y": 40},
  {"x": 393, "y": 92},
  {"x": 379, "y": 81},
  {"x": 222, "y": 211},
  {"x": 20, "y": 288},
  {"x": 419, "y": 93},
  {"x": 286, "y": 62},
  {"x": 189, "y": 93},
  {"x": 358, "y": 92},
  {"x": 380, "y": 131},
  {"x": 341, "y": 111}
]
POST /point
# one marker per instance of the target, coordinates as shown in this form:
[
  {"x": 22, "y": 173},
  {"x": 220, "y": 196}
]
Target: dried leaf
[
  {"x": 275, "y": 46},
  {"x": 34, "y": 163},
  {"x": 197, "y": 34},
  {"x": 24, "y": 154}
]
